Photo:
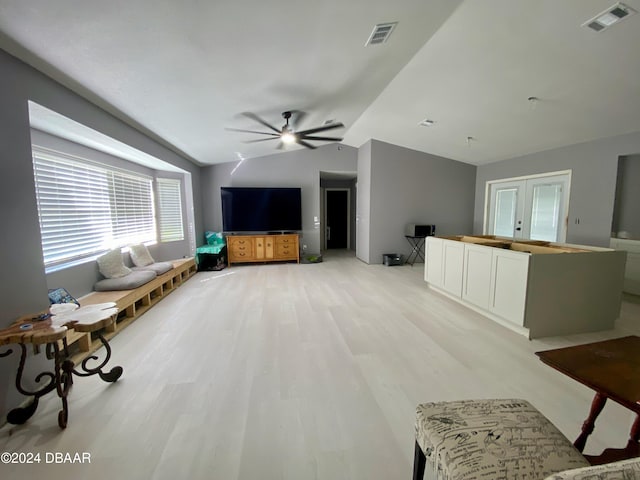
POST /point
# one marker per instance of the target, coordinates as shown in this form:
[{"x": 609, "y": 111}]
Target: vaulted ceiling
[{"x": 186, "y": 70}]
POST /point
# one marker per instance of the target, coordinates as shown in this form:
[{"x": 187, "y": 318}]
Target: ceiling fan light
[{"x": 288, "y": 138}]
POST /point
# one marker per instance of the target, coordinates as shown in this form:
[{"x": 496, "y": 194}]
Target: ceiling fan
[{"x": 287, "y": 134}]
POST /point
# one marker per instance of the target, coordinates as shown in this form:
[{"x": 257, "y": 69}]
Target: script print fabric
[
  {"x": 496, "y": 439},
  {"x": 624, "y": 470}
]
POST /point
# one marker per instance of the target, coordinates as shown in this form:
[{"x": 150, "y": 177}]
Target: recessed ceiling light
[
  {"x": 610, "y": 16},
  {"x": 426, "y": 123}
]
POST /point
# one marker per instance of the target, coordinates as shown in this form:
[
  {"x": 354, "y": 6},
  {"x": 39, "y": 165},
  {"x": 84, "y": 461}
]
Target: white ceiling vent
[
  {"x": 610, "y": 16},
  {"x": 380, "y": 33}
]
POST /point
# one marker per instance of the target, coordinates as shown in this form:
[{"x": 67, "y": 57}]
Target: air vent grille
[
  {"x": 380, "y": 33},
  {"x": 610, "y": 16}
]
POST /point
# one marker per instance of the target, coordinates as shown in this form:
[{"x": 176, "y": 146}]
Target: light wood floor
[{"x": 297, "y": 372}]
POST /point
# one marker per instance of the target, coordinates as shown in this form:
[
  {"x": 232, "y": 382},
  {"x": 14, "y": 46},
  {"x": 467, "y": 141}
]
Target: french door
[{"x": 533, "y": 208}]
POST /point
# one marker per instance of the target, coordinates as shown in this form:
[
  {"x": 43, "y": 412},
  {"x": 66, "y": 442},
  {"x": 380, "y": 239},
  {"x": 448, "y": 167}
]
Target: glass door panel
[
  {"x": 505, "y": 219},
  {"x": 545, "y": 211},
  {"x": 505, "y": 213},
  {"x": 547, "y": 206}
]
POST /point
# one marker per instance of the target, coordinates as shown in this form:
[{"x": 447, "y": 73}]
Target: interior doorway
[{"x": 337, "y": 212}]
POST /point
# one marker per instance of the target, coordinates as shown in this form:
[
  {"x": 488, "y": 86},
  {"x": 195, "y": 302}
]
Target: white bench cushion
[
  {"x": 128, "y": 282},
  {"x": 158, "y": 267}
]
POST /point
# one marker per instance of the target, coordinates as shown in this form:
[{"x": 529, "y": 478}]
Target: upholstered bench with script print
[
  {"x": 498, "y": 439},
  {"x": 501, "y": 439}
]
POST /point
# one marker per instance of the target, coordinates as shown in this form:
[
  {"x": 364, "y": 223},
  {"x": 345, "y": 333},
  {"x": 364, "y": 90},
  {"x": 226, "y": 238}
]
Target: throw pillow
[
  {"x": 111, "y": 264},
  {"x": 140, "y": 255}
]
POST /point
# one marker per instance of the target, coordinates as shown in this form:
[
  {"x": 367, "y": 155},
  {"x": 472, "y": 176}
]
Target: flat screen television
[{"x": 261, "y": 209}]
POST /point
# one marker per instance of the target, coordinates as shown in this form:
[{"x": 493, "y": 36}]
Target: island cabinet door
[
  {"x": 452, "y": 263},
  {"x": 509, "y": 272},
  {"x": 433, "y": 263},
  {"x": 476, "y": 284}
]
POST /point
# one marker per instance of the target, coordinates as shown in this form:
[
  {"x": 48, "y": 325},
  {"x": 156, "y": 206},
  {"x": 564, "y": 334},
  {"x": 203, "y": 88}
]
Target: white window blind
[
  {"x": 170, "y": 210},
  {"x": 85, "y": 208}
]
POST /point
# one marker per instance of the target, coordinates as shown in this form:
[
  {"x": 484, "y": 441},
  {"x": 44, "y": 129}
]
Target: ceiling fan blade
[
  {"x": 305, "y": 144},
  {"x": 255, "y": 117},
  {"x": 324, "y": 139},
  {"x": 262, "y": 139},
  {"x": 321, "y": 129},
  {"x": 252, "y": 131}
]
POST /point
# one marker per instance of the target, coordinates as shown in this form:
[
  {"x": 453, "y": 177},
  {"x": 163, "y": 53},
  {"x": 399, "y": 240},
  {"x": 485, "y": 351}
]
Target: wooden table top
[
  {"x": 610, "y": 367},
  {"x": 40, "y": 332},
  {"x": 32, "y": 331}
]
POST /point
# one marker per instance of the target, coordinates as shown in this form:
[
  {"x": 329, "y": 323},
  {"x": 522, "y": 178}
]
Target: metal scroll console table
[{"x": 51, "y": 333}]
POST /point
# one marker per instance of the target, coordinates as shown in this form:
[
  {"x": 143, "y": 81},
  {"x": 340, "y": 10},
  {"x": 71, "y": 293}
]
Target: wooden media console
[{"x": 262, "y": 248}]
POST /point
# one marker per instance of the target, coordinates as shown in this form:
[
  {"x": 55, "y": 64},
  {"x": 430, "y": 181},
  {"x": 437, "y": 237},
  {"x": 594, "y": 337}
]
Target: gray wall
[
  {"x": 23, "y": 280},
  {"x": 297, "y": 168},
  {"x": 594, "y": 168},
  {"x": 408, "y": 186},
  {"x": 626, "y": 213},
  {"x": 363, "y": 203}
]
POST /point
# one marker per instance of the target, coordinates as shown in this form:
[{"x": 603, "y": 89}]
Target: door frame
[
  {"x": 490, "y": 183},
  {"x": 324, "y": 215}
]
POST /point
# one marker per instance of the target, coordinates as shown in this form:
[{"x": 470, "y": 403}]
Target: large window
[
  {"x": 170, "y": 210},
  {"x": 87, "y": 208}
]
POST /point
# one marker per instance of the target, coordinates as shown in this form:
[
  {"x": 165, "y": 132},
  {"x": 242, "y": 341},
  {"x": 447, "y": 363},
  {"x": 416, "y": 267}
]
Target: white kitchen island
[
  {"x": 632, "y": 270},
  {"x": 535, "y": 288}
]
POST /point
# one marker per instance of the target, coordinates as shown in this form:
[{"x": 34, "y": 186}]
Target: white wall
[{"x": 297, "y": 168}]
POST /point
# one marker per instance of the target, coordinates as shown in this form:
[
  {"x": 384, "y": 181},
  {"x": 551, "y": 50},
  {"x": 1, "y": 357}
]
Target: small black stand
[{"x": 416, "y": 248}]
